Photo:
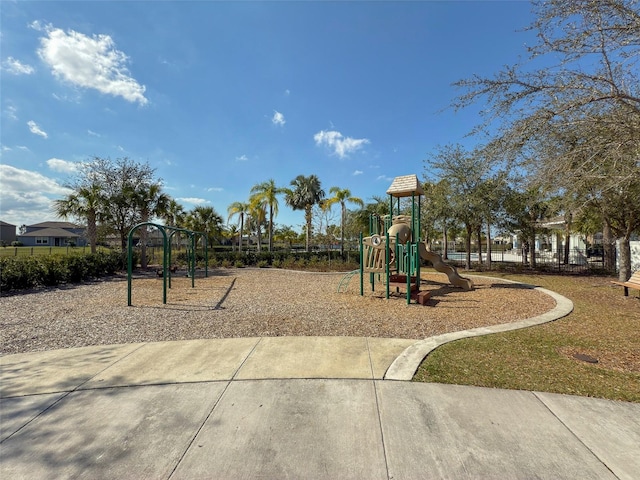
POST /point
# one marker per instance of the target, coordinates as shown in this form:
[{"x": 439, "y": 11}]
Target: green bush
[
  {"x": 20, "y": 273},
  {"x": 77, "y": 268}
]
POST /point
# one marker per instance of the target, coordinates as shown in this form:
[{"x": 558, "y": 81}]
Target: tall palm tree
[
  {"x": 151, "y": 201},
  {"x": 342, "y": 196},
  {"x": 267, "y": 193},
  {"x": 174, "y": 217},
  {"x": 241, "y": 209},
  {"x": 306, "y": 193},
  {"x": 85, "y": 203},
  {"x": 206, "y": 220},
  {"x": 230, "y": 233},
  {"x": 257, "y": 216}
]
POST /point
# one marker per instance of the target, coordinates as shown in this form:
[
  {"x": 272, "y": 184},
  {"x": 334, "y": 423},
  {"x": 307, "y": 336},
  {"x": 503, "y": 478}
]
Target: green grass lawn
[{"x": 605, "y": 325}]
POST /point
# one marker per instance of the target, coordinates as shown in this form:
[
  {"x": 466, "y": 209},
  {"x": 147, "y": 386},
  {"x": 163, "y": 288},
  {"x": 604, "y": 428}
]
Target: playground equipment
[
  {"x": 166, "y": 271},
  {"x": 394, "y": 253}
]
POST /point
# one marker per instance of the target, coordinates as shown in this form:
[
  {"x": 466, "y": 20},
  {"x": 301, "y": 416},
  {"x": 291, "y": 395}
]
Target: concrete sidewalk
[{"x": 290, "y": 407}]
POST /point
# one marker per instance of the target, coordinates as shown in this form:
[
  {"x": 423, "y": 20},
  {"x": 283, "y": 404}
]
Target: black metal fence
[{"x": 578, "y": 261}]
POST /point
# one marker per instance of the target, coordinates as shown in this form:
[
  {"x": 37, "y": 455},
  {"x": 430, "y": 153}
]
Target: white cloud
[
  {"x": 215, "y": 189},
  {"x": 11, "y": 112},
  {"x": 278, "y": 118},
  {"x": 384, "y": 177},
  {"x": 27, "y": 196},
  {"x": 35, "y": 129},
  {"x": 89, "y": 62},
  {"x": 92, "y": 133},
  {"x": 63, "y": 166},
  {"x": 16, "y": 67},
  {"x": 36, "y": 25},
  {"x": 358, "y": 172},
  {"x": 341, "y": 146},
  {"x": 242, "y": 158},
  {"x": 6, "y": 148},
  {"x": 193, "y": 200},
  {"x": 287, "y": 92}
]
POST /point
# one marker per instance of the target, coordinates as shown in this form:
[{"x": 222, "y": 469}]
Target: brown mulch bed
[{"x": 251, "y": 303}]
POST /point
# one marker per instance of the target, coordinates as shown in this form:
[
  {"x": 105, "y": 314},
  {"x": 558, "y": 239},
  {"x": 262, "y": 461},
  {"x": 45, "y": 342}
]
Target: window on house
[{"x": 42, "y": 240}]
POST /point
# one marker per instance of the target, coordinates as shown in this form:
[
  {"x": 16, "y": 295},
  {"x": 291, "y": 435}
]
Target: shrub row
[
  {"x": 295, "y": 260},
  {"x": 19, "y": 273}
]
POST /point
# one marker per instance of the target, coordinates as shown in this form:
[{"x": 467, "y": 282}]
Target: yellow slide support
[{"x": 449, "y": 270}]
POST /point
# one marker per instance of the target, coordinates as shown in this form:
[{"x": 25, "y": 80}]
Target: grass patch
[{"x": 604, "y": 325}]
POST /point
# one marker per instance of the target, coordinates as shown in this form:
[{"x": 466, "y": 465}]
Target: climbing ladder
[{"x": 346, "y": 279}]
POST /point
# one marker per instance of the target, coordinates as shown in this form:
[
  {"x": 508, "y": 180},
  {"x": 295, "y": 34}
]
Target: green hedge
[{"x": 19, "y": 273}]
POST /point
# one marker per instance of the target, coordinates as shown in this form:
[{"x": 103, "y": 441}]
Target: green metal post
[
  {"x": 129, "y": 265},
  {"x": 165, "y": 269},
  {"x": 387, "y": 257},
  {"x": 418, "y": 240},
  {"x": 193, "y": 260},
  {"x": 206, "y": 257},
  {"x": 362, "y": 265},
  {"x": 170, "y": 241}
]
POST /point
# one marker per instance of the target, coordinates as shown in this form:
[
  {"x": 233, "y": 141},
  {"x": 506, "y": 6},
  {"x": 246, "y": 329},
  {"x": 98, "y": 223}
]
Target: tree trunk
[
  {"x": 624, "y": 256},
  {"x": 92, "y": 231},
  {"x": 609, "y": 251},
  {"x": 342, "y": 231},
  {"x": 308, "y": 217},
  {"x": 488, "y": 245},
  {"x": 479, "y": 235},
  {"x": 445, "y": 243},
  {"x": 241, "y": 231},
  {"x": 270, "y": 228},
  {"x": 532, "y": 249},
  {"x": 468, "y": 247},
  {"x": 143, "y": 248},
  {"x": 567, "y": 239}
]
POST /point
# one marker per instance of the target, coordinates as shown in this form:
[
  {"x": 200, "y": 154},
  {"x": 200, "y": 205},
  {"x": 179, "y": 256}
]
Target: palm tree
[
  {"x": 267, "y": 193},
  {"x": 306, "y": 193},
  {"x": 341, "y": 196},
  {"x": 205, "y": 220},
  {"x": 287, "y": 235},
  {"x": 377, "y": 209},
  {"x": 257, "y": 215},
  {"x": 151, "y": 201},
  {"x": 241, "y": 209},
  {"x": 230, "y": 233},
  {"x": 174, "y": 216},
  {"x": 85, "y": 203}
]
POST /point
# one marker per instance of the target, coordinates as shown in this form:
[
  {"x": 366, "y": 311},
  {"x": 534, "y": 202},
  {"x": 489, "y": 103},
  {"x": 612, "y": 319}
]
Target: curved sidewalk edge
[{"x": 406, "y": 364}]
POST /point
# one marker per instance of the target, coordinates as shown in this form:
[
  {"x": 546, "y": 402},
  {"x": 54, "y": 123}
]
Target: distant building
[
  {"x": 53, "y": 234},
  {"x": 7, "y": 233}
]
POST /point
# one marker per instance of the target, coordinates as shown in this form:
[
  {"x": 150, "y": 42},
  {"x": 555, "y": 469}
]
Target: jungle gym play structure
[{"x": 393, "y": 252}]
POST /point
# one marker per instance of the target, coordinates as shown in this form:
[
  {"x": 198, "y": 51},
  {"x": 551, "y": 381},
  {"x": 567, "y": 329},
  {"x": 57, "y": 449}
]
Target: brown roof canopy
[{"x": 405, "y": 186}]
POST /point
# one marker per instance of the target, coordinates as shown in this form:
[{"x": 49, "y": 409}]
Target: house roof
[
  {"x": 51, "y": 232},
  {"x": 55, "y": 225},
  {"x": 5, "y": 224},
  {"x": 405, "y": 186}
]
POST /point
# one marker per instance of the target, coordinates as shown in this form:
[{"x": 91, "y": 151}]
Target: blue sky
[{"x": 219, "y": 96}]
